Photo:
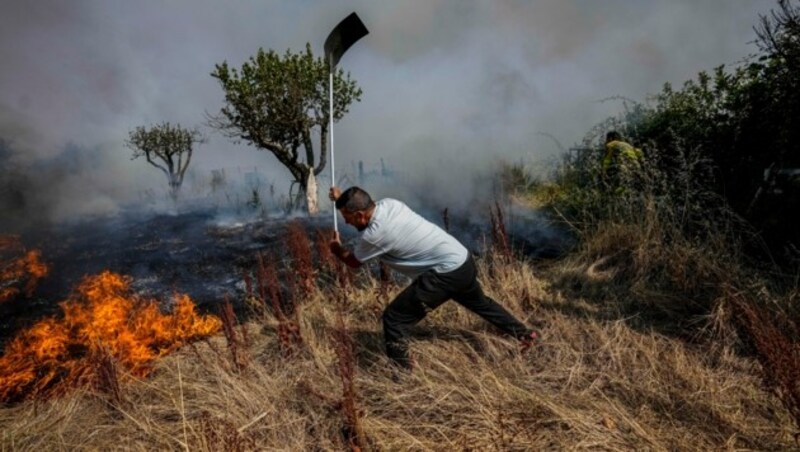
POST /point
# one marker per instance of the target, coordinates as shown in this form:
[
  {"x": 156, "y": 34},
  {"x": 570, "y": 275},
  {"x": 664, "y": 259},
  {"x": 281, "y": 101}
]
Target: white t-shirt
[{"x": 408, "y": 243}]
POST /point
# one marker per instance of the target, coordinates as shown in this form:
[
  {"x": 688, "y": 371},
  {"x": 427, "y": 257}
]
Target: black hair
[
  {"x": 354, "y": 199},
  {"x": 613, "y": 136}
]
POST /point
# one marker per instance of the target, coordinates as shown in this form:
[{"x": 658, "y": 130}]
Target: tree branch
[{"x": 150, "y": 161}]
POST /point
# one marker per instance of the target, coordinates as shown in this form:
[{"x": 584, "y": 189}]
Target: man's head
[
  {"x": 613, "y": 136},
  {"x": 356, "y": 206}
]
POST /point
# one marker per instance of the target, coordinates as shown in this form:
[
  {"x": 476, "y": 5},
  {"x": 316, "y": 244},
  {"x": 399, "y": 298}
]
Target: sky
[{"x": 450, "y": 87}]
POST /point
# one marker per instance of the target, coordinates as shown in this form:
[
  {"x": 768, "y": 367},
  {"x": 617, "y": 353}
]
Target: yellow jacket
[{"x": 621, "y": 153}]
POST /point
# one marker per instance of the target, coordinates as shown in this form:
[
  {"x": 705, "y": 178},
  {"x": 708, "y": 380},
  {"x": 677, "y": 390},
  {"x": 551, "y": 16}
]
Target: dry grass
[{"x": 595, "y": 383}]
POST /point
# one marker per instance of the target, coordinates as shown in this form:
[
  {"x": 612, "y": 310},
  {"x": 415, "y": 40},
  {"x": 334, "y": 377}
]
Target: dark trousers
[{"x": 427, "y": 293}]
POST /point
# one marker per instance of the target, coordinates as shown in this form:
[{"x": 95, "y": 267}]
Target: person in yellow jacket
[{"x": 621, "y": 161}]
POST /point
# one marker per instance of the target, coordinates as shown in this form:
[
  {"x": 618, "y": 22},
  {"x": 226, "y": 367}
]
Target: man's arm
[{"x": 343, "y": 253}]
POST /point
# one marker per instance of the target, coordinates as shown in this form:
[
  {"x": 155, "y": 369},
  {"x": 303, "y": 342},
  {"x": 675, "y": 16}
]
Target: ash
[
  {"x": 198, "y": 252},
  {"x": 205, "y": 253}
]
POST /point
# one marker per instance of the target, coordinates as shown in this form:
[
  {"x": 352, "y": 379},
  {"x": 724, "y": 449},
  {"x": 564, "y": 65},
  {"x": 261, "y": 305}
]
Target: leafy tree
[
  {"x": 278, "y": 103},
  {"x": 168, "y": 148},
  {"x": 778, "y": 74}
]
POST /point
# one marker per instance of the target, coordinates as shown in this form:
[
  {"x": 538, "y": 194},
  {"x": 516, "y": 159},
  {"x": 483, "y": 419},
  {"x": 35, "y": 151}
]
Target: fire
[
  {"x": 103, "y": 318},
  {"x": 18, "y": 274}
]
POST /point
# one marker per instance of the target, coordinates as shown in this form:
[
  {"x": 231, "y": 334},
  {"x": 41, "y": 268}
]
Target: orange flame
[
  {"x": 103, "y": 318},
  {"x": 18, "y": 274}
]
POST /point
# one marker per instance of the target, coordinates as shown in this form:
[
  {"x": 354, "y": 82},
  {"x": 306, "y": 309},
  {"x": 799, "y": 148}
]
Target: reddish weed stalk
[
  {"x": 353, "y": 430},
  {"x": 302, "y": 273},
  {"x": 499, "y": 234},
  {"x": 329, "y": 263},
  {"x": 288, "y": 327},
  {"x": 777, "y": 352},
  {"x": 237, "y": 341}
]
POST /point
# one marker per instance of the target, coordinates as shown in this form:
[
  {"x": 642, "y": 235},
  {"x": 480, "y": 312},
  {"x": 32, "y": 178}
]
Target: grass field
[{"x": 603, "y": 378}]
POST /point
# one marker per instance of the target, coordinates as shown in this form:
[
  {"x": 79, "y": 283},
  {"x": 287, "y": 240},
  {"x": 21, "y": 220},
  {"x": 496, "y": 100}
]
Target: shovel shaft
[{"x": 333, "y": 155}]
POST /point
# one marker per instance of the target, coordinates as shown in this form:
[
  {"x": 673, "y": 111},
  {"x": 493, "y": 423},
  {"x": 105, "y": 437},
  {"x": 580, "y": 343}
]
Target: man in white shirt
[{"x": 439, "y": 265}]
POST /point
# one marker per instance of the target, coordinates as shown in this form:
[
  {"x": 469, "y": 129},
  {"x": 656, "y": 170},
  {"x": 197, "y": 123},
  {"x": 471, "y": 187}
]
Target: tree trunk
[
  {"x": 174, "y": 186},
  {"x": 310, "y": 188}
]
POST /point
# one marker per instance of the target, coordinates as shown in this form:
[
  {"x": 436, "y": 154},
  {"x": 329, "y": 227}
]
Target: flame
[
  {"x": 103, "y": 318},
  {"x": 18, "y": 274}
]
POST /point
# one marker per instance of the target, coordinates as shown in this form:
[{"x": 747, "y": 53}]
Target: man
[
  {"x": 440, "y": 267},
  {"x": 621, "y": 162}
]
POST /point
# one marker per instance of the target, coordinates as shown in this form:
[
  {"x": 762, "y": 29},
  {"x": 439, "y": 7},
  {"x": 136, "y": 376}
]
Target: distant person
[
  {"x": 440, "y": 267},
  {"x": 621, "y": 163}
]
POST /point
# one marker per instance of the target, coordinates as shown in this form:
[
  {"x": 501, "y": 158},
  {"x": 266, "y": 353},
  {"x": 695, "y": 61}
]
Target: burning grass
[
  {"x": 104, "y": 320},
  {"x": 20, "y": 269}
]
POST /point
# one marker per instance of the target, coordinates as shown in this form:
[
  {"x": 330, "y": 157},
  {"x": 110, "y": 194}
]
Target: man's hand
[
  {"x": 334, "y": 193},
  {"x": 336, "y": 245},
  {"x": 342, "y": 253}
]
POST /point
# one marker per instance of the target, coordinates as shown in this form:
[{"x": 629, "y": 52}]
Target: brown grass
[
  {"x": 595, "y": 383},
  {"x": 615, "y": 370},
  {"x": 664, "y": 255}
]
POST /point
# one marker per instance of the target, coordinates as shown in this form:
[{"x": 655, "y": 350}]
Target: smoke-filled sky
[{"x": 464, "y": 81}]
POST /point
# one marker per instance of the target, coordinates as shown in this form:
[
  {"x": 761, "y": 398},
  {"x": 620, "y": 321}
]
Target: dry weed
[{"x": 303, "y": 273}]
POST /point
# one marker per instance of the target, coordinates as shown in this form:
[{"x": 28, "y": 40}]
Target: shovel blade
[{"x": 344, "y": 35}]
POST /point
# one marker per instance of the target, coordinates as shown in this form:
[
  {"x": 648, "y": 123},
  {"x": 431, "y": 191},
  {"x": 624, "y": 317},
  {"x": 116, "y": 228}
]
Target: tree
[
  {"x": 168, "y": 148},
  {"x": 278, "y": 103}
]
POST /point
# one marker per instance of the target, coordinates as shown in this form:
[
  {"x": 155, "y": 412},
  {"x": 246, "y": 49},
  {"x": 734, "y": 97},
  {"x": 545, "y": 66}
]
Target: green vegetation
[
  {"x": 742, "y": 126},
  {"x": 277, "y": 103}
]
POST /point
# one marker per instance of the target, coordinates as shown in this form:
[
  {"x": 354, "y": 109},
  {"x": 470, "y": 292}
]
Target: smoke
[{"x": 450, "y": 86}]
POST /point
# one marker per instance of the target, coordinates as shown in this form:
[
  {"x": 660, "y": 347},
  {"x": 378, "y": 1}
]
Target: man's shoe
[{"x": 529, "y": 340}]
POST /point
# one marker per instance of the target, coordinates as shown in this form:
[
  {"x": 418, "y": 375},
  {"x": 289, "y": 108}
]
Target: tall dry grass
[
  {"x": 594, "y": 383},
  {"x": 662, "y": 252}
]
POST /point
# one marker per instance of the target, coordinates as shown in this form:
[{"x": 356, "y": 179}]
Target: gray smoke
[{"x": 450, "y": 86}]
